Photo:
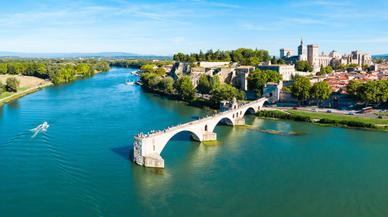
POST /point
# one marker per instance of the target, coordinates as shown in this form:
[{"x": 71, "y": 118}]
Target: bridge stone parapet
[{"x": 148, "y": 147}]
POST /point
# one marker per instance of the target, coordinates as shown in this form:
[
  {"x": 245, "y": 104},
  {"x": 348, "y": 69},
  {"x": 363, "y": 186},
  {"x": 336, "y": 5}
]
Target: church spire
[{"x": 300, "y": 47}]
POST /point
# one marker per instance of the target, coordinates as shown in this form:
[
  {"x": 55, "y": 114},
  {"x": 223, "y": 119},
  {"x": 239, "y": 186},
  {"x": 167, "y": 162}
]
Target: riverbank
[
  {"x": 326, "y": 119},
  {"x": 8, "y": 97},
  {"x": 28, "y": 85}
]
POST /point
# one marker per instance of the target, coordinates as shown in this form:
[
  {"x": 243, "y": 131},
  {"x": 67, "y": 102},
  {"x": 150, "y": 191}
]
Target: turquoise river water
[{"x": 80, "y": 166}]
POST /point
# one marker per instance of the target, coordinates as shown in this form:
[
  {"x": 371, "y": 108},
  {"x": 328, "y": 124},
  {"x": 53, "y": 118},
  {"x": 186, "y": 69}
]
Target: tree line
[
  {"x": 304, "y": 91},
  {"x": 59, "y": 71},
  {"x": 137, "y": 63},
  {"x": 184, "y": 89},
  {"x": 243, "y": 56},
  {"x": 375, "y": 92}
]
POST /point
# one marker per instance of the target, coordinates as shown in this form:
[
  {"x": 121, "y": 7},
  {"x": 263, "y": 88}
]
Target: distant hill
[{"x": 106, "y": 55}]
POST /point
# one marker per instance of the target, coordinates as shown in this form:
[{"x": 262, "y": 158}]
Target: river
[{"x": 80, "y": 166}]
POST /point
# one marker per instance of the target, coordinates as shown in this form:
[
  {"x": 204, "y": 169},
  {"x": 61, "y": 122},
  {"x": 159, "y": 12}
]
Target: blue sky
[{"x": 166, "y": 27}]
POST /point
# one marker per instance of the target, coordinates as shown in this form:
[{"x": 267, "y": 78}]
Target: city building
[
  {"x": 272, "y": 91},
  {"x": 285, "y": 52},
  {"x": 241, "y": 77},
  {"x": 317, "y": 59},
  {"x": 301, "y": 52}
]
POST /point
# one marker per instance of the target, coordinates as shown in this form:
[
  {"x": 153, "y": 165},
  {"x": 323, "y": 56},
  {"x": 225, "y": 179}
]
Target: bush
[
  {"x": 12, "y": 84},
  {"x": 294, "y": 117},
  {"x": 283, "y": 115},
  {"x": 2, "y": 87},
  {"x": 349, "y": 123}
]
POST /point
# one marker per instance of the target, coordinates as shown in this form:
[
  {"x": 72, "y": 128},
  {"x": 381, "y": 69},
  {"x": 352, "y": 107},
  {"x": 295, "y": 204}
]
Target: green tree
[
  {"x": 150, "y": 80},
  {"x": 352, "y": 65},
  {"x": 185, "y": 88},
  {"x": 320, "y": 91},
  {"x": 214, "y": 82},
  {"x": 2, "y": 87},
  {"x": 160, "y": 71},
  {"x": 353, "y": 87},
  {"x": 382, "y": 91},
  {"x": 11, "y": 69},
  {"x": 12, "y": 84},
  {"x": 64, "y": 75},
  {"x": 369, "y": 92},
  {"x": 243, "y": 56},
  {"x": 253, "y": 61},
  {"x": 374, "y": 92},
  {"x": 167, "y": 85},
  {"x": 365, "y": 67},
  {"x": 82, "y": 69},
  {"x": 204, "y": 85},
  {"x": 328, "y": 69},
  {"x": 273, "y": 60},
  {"x": 3, "y": 68},
  {"x": 225, "y": 92},
  {"x": 148, "y": 68},
  {"x": 303, "y": 66},
  {"x": 257, "y": 80},
  {"x": 325, "y": 70},
  {"x": 301, "y": 88}
]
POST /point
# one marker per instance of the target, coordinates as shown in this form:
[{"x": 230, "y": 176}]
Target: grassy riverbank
[
  {"x": 327, "y": 119},
  {"x": 8, "y": 97}
]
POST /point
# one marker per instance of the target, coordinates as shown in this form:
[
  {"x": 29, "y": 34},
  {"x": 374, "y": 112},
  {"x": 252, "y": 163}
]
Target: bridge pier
[
  {"x": 240, "y": 122},
  {"x": 209, "y": 136},
  {"x": 153, "y": 161}
]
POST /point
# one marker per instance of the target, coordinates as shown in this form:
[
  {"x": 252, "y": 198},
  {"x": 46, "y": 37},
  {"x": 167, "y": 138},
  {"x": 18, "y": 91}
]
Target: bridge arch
[
  {"x": 159, "y": 147},
  {"x": 250, "y": 110},
  {"x": 194, "y": 135},
  {"x": 223, "y": 120}
]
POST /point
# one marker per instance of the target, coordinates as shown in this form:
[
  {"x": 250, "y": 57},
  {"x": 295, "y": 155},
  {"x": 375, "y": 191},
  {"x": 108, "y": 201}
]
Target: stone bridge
[{"x": 147, "y": 147}]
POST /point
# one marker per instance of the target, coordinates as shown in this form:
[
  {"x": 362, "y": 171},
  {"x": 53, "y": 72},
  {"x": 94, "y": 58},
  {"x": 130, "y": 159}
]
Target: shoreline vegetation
[
  {"x": 47, "y": 71},
  {"x": 326, "y": 119},
  {"x": 16, "y": 95}
]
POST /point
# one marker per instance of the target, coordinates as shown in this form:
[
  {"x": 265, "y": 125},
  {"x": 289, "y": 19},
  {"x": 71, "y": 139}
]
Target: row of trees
[
  {"x": 375, "y": 92},
  {"x": 242, "y": 56},
  {"x": 59, "y": 71},
  {"x": 137, "y": 63},
  {"x": 304, "y": 91},
  {"x": 185, "y": 90},
  {"x": 11, "y": 85}
]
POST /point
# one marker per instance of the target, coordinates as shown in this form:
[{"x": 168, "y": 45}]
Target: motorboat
[
  {"x": 129, "y": 82},
  {"x": 40, "y": 128}
]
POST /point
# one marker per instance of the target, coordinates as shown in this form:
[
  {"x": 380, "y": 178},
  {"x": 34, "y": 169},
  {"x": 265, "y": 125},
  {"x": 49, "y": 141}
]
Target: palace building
[{"x": 316, "y": 59}]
